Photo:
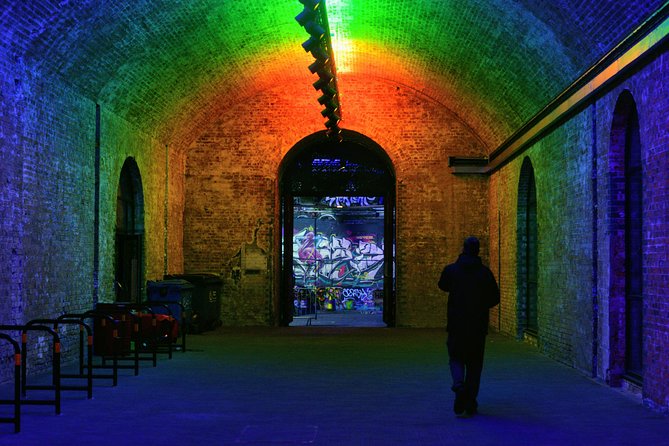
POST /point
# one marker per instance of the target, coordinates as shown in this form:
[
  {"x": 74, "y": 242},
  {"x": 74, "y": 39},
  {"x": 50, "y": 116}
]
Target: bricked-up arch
[
  {"x": 527, "y": 231},
  {"x": 129, "y": 261},
  {"x": 364, "y": 170},
  {"x": 626, "y": 250}
]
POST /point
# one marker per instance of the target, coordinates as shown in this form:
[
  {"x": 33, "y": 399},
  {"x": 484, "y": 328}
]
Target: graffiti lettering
[
  {"x": 349, "y": 201},
  {"x": 336, "y": 261},
  {"x": 361, "y": 294}
]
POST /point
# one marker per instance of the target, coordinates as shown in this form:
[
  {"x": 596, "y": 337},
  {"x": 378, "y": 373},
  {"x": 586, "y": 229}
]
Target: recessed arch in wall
[
  {"x": 527, "y": 264},
  {"x": 129, "y": 245},
  {"x": 341, "y": 173},
  {"x": 626, "y": 244}
]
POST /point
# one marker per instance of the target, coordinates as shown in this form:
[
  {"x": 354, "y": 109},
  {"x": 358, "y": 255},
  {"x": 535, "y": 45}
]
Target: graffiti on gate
[
  {"x": 359, "y": 294},
  {"x": 321, "y": 260},
  {"x": 351, "y": 201},
  {"x": 311, "y": 300}
]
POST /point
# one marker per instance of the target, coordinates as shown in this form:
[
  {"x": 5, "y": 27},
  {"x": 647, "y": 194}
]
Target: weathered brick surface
[
  {"x": 571, "y": 328},
  {"x": 647, "y": 89},
  {"x": 56, "y": 198},
  {"x": 119, "y": 141},
  {"x": 216, "y": 198},
  {"x": 10, "y": 195},
  {"x": 47, "y": 200},
  {"x": 435, "y": 210},
  {"x": 564, "y": 241},
  {"x": 230, "y": 189},
  {"x": 231, "y": 179}
]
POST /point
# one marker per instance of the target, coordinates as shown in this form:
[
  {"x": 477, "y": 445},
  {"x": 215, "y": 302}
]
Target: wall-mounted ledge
[
  {"x": 468, "y": 165},
  {"x": 638, "y": 48}
]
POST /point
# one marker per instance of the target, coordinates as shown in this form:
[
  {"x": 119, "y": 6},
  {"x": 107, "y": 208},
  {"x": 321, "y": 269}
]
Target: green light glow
[
  {"x": 339, "y": 18},
  {"x": 196, "y": 53}
]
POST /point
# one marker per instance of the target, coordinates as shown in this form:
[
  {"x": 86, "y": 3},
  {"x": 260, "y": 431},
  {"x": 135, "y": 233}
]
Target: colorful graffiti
[
  {"x": 352, "y": 201},
  {"x": 311, "y": 300},
  {"x": 338, "y": 254},
  {"x": 322, "y": 260}
]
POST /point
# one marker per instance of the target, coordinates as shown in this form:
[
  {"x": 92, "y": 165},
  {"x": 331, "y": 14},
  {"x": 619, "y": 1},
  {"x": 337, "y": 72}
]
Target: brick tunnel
[{"x": 146, "y": 140}]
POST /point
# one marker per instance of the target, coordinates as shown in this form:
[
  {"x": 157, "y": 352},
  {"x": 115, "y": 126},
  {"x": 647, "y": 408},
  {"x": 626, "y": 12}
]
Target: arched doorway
[
  {"x": 626, "y": 244},
  {"x": 527, "y": 265},
  {"x": 129, "y": 264},
  {"x": 337, "y": 221}
]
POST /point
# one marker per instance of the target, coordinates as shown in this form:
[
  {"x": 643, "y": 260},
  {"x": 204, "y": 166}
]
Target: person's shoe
[
  {"x": 459, "y": 405},
  {"x": 471, "y": 408}
]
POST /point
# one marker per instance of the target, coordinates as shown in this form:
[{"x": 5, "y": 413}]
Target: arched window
[
  {"x": 527, "y": 235},
  {"x": 626, "y": 248},
  {"x": 129, "y": 234}
]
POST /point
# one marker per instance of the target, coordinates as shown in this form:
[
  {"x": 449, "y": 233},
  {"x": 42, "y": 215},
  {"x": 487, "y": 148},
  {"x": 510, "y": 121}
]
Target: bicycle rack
[
  {"x": 55, "y": 367},
  {"x": 88, "y": 388},
  {"x": 16, "y": 401},
  {"x": 183, "y": 321}
]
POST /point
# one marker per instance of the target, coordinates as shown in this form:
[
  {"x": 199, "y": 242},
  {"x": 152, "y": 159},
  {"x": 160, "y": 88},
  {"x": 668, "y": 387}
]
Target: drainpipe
[
  {"x": 165, "y": 210},
  {"x": 595, "y": 253},
  {"x": 499, "y": 263},
  {"x": 96, "y": 210}
]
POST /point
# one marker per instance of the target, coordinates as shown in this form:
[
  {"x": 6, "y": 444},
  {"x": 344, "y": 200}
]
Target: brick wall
[
  {"x": 231, "y": 185},
  {"x": 435, "y": 210},
  {"x": 652, "y": 110},
  {"x": 230, "y": 189},
  {"x": 11, "y": 179},
  {"x": 119, "y": 141},
  {"x": 222, "y": 199},
  {"x": 573, "y": 329},
  {"x": 47, "y": 174},
  {"x": 46, "y": 200},
  {"x": 564, "y": 242}
]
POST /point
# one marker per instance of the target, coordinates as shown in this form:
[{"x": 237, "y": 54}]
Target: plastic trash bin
[
  {"x": 205, "y": 300},
  {"x": 173, "y": 290}
]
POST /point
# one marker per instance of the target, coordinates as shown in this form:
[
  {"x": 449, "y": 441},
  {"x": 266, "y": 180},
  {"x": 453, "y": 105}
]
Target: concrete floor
[
  {"x": 341, "y": 319},
  {"x": 340, "y": 386}
]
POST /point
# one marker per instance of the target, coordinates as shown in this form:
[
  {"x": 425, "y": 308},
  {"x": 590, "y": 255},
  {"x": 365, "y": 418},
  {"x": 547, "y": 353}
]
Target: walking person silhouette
[{"x": 473, "y": 291}]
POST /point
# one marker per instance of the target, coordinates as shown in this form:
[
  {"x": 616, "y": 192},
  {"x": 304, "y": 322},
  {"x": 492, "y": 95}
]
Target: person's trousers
[{"x": 466, "y": 363}]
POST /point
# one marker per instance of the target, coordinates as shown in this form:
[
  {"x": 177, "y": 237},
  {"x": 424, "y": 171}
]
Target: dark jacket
[{"x": 472, "y": 292}]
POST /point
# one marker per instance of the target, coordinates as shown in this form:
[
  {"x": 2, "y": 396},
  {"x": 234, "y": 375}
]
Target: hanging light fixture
[{"x": 314, "y": 20}]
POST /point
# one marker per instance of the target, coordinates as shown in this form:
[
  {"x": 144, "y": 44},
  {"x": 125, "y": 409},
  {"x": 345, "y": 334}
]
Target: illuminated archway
[{"x": 353, "y": 173}]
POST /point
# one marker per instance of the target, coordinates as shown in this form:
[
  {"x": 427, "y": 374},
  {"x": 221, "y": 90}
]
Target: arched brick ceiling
[{"x": 170, "y": 67}]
